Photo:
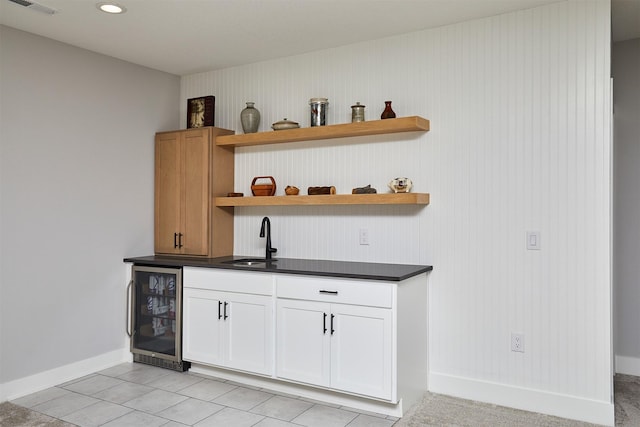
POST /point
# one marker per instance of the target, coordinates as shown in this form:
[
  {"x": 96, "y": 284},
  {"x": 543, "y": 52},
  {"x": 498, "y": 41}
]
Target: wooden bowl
[
  {"x": 291, "y": 191},
  {"x": 263, "y": 189}
]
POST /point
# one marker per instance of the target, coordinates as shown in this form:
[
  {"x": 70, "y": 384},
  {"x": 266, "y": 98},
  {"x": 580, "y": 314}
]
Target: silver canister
[
  {"x": 319, "y": 111},
  {"x": 357, "y": 113}
]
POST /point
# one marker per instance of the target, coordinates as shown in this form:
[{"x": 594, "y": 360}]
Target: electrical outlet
[
  {"x": 517, "y": 342},
  {"x": 364, "y": 236}
]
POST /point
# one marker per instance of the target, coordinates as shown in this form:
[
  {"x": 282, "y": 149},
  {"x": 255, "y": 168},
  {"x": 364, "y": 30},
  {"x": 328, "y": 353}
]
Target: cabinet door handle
[
  {"x": 129, "y": 328},
  {"x": 219, "y": 310},
  {"x": 179, "y": 240},
  {"x": 322, "y": 291},
  {"x": 324, "y": 324},
  {"x": 332, "y": 330},
  {"x": 225, "y": 310},
  {"x": 175, "y": 240}
]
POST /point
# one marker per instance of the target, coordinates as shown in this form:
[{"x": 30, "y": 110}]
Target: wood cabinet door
[
  {"x": 202, "y": 337},
  {"x": 167, "y": 192},
  {"x": 182, "y": 190},
  {"x": 195, "y": 192},
  {"x": 303, "y": 341},
  {"x": 250, "y": 333},
  {"x": 362, "y": 350}
]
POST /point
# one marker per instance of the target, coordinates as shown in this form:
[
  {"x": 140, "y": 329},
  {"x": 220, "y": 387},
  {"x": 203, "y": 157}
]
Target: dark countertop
[{"x": 352, "y": 270}]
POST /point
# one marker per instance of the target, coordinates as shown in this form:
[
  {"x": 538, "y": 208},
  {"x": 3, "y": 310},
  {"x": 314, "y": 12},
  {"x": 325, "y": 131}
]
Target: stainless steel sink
[{"x": 249, "y": 261}]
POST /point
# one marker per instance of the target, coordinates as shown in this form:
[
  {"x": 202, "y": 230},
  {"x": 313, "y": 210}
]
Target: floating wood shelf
[
  {"x": 328, "y": 199},
  {"x": 375, "y": 127}
]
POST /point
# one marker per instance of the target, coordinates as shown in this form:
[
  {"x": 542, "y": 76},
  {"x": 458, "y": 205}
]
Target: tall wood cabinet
[{"x": 190, "y": 170}]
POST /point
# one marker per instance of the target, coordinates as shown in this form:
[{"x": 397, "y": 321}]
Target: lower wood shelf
[{"x": 328, "y": 199}]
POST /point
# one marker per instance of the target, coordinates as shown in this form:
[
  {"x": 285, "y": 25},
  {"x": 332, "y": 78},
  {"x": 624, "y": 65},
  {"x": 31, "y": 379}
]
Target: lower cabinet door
[
  {"x": 229, "y": 330},
  {"x": 303, "y": 341},
  {"x": 202, "y": 328},
  {"x": 362, "y": 350},
  {"x": 249, "y": 329}
]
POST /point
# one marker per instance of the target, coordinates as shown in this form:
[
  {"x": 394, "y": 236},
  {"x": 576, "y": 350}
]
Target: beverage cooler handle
[{"x": 128, "y": 320}]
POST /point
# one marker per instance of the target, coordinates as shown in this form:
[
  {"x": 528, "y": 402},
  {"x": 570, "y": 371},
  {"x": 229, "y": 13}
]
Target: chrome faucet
[{"x": 268, "y": 250}]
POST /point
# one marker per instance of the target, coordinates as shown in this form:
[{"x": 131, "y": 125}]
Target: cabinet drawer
[
  {"x": 335, "y": 291},
  {"x": 228, "y": 281}
]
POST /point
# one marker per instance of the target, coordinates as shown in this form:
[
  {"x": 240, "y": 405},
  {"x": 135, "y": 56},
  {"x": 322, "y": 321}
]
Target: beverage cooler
[{"x": 155, "y": 321}]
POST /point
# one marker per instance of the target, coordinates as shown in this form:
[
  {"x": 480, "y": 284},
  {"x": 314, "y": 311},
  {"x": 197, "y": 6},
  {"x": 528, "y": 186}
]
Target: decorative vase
[
  {"x": 250, "y": 118},
  {"x": 388, "y": 112}
]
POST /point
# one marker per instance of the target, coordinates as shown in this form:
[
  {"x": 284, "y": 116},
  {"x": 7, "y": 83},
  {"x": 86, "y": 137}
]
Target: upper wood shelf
[
  {"x": 328, "y": 199},
  {"x": 375, "y": 127}
]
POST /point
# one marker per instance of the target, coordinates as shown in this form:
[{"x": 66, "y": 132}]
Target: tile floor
[{"x": 133, "y": 394}]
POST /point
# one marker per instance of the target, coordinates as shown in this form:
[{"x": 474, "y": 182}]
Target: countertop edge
[{"x": 341, "y": 269}]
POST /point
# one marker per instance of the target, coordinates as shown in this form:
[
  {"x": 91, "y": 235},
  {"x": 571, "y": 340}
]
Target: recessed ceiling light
[{"x": 111, "y": 8}]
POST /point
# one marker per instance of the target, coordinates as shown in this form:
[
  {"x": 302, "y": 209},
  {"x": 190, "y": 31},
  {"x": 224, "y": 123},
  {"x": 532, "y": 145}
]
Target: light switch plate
[{"x": 533, "y": 240}]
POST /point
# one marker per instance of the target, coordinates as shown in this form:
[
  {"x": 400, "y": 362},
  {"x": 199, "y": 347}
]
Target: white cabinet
[
  {"x": 336, "y": 344},
  {"x": 303, "y": 349},
  {"x": 361, "y": 350},
  {"x": 228, "y": 329},
  {"x": 359, "y": 343},
  {"x": 202, "y": 330}
]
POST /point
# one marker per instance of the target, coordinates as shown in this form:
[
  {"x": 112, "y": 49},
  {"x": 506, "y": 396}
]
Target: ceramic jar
[
  {"x": 357, "y": 113},
  {"x": 250, "y": 118},
  {"x": 285, "y": 124}
]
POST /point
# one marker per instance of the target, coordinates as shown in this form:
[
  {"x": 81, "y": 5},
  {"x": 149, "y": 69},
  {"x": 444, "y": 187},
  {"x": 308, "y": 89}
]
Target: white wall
[
  {"x": 76, "y": 187},
  {"x": 626, "y": 78},
  {"x": 520, "y": 140}
]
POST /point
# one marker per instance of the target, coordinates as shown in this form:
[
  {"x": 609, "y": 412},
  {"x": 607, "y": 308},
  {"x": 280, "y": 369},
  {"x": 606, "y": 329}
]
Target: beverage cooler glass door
[{"x": 156, "y": 329}]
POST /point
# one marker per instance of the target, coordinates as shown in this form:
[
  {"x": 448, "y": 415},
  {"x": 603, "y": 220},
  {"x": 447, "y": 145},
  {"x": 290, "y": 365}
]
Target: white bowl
[{"x": 285, "y": 124}]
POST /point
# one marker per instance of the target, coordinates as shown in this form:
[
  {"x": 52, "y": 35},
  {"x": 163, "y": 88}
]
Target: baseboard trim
[
  {"x": 559, "y": 405},
  {"x": 320, "y": 395},
  {"x": 43, "y": 380},
  {"x": 627, "y": 365}
]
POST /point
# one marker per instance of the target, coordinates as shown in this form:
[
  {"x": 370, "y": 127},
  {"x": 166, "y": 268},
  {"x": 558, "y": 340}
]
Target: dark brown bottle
[{"x": 388, "y": 112}]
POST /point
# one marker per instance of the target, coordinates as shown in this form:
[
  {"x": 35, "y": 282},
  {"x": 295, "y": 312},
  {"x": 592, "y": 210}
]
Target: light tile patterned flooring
[{"x": 133, "y": 394}]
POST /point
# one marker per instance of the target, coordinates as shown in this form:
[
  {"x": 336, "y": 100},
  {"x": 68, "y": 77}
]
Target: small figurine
[
  {"x": 364, "y": 190},
  {"x": 400, "y": 185}
]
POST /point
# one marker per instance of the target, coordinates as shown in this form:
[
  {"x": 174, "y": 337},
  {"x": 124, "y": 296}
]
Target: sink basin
[{"x": 249, "y": 261}]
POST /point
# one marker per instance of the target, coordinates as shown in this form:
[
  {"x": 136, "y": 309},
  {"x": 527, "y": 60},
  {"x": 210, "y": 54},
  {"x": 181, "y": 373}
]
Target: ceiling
[{"x": 190, "y": 36}]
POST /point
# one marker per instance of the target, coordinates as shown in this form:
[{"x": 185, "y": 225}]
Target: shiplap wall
[{"x": 520, "y": 140}]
